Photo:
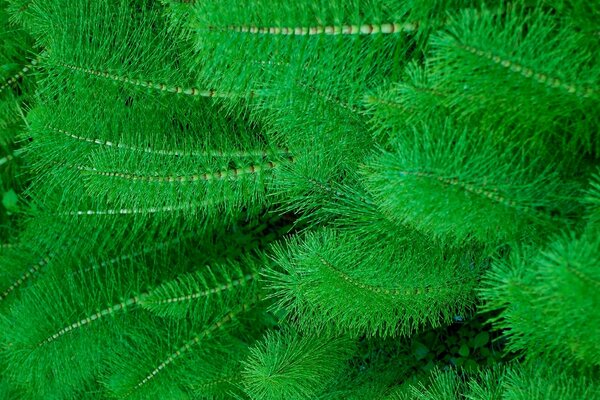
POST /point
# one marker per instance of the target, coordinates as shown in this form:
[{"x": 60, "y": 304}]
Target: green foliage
[
  {"x": 452, "y": 184},
  {"x": 531, "y": 290},
  {"x": 283, "y": 365},
  {"x": 196, "y": 295},
  {"x": 364, "y": 199},
  {"x": 391, "y": 291},
  {"x": 17, "y": 63},
  {"x": 60, "y": 329},
  {"x": 522, "y": 64},
  {"x": 508, "y": 382}
]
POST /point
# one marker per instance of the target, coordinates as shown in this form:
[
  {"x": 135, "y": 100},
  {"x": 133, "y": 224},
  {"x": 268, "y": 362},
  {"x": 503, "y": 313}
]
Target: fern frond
[
  {"x": 326, "y": 282},
  {"x": 56, "y": 337},
  {"x": 353, "y": 33},
  {"x": 223, "y": 378},
  {"x": 283, "y": 365},
  {"x": 531, "y": 289},
  {"x": 514, "y": 381},
  {"x": 592, "y": 201},
  {"x": 135, "y": 373},
  {"x": 526, "y": 72},
  {"x": 196, "y": 295},
  {"x": 458, "y": 186}
]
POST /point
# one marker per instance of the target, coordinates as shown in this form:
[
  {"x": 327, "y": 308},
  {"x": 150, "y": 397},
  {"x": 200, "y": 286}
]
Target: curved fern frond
[
  {"x": 456, "y": 185},
  {"x": 389, "y": 290},
  {"x": 530, "y": 290},
  {"x": 282, "y": 365}
]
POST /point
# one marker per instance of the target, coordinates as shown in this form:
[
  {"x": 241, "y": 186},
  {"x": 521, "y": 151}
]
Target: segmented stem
[
  {"x": 205, "y": 293},
  {"x": 176, "y": 152},
  {"x": 26, "y": 275},
  {"x": 582, "y": 275},
  {"x": 163, "y": 87},
  {"x": 132, "y": 211},
  {"x": 530, "y": 74},
  {"x": 13, "y": 79},
  {"x": 144, "y": 251},
  {"x": 336, "y": 193},
  {"x": 231, "y": 174},
  {"x": 363, "y": 29},
  {"x": 207, "y": 333},
  {"x": 489, "y": 194},
  {"x": 413, "y": 291},
  {"x": 85, "y": 321},
  {"x": 331, "y": 99}
]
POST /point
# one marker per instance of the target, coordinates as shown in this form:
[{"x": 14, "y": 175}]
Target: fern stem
[
  {"x": 131, "y": 211},
  {"x": 489, "y": 194},
  {"x": 124, "y": 257},
  {"x": 207, "y": 176},
  {"x": 582, "y": 275},
  {"x": 207, "y": 333},
  {"x": 13, "y": 79},
  {"x": 208, "y": 292},
  {"x": 174, "y": 153},
  {"x": 364, "y": 29},
  {"x": 529, "y": 73},
  {"x": 336, "y": 193},
  {"x": 331, "y": 99},
  {"x": 85, "y": 321},
  {"x": 414, "y": 291},
  {"x": 26, "y": 275},
  {"x": 152, "y": 85}
]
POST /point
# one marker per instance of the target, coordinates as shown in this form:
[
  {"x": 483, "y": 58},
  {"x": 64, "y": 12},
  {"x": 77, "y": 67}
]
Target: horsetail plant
[{"x": 359, "y": 199}]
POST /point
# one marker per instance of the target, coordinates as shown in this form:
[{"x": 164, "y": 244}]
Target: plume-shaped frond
[
  {"x": 56, "y": 337},
  {"x": 514, "y": 381},
  {"x": 197, "y": 295},
  {"x": 153, "y": 364},
  {"x": 531, "y": 289},
  {"x": 334, "y": 281},
  {"x": 592, "y": 201},
  {"x": 457, "y": 185},
  {"x": 520, "y": 72},
  {"x": 287, "y": 365}
]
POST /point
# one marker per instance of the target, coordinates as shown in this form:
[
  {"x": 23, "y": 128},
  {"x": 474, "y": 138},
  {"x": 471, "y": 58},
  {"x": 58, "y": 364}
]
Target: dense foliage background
[{"x": 336, "y": 199}]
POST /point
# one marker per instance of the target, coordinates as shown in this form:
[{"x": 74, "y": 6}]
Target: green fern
[{"x": 274, "y": 200}]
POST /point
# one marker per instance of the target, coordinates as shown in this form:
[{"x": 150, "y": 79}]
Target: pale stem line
[
  {"x": 175, "y": 153},
  {"x": 208, "y": 176},
  {"x": 85, "y": 321},
  {"x": 205, "y": 293},
  {"x": 156, "y": 86},
  {"x": 363, "y": 29},
  {"x": 207, "y": 333},
  {"x": 26, "y": 275},
  {"x": 13, "y": 79}
]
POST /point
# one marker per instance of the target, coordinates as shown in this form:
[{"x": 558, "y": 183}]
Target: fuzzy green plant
[
  {"x": 531, "y": 290},
  {"x": 18, "y": 61},
  {"x": 507, "y": 382},
  {"x": 389, "y": 291},
  {"x": 363, "y": 199},
  {"x": 283, "y": 365},
  {"x": 458, "y": 186}
]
